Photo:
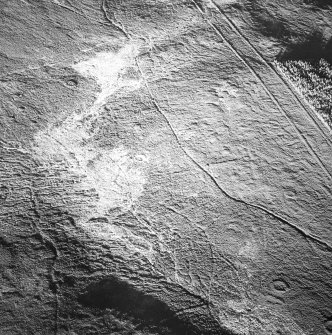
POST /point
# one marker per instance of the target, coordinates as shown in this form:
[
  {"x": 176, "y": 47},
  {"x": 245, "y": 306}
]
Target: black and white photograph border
[{"x": 165, "y": 167}]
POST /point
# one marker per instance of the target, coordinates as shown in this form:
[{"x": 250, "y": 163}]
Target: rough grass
[
  {"x": 324, "y": 4},
  {"x": 314, "y": 81}
]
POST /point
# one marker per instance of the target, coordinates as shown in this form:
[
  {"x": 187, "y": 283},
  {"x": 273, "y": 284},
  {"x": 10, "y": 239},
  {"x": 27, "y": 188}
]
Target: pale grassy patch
[
  {"x": 107, "y": 69},
  {"x": 115, "y": 174}
]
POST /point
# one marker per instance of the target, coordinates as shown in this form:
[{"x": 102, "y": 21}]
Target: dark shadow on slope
[
  {"x": 311, "y": 49},
  {"x": 273, "y": 28},
  {"x": 148, "y": 311},
  {"x": 267, "y": 24},
  {"x": 298, "y": 45}
]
